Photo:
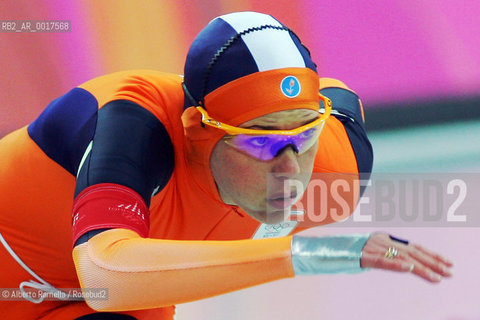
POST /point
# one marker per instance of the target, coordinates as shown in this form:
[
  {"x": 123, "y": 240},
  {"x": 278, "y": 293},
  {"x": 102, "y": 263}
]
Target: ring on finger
[{"x": 391, "y": 253}]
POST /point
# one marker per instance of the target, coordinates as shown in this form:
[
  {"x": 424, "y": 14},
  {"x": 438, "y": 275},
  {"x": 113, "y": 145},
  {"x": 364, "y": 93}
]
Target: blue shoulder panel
[
  {"x": 346, "y": 108},
  {"x": 64, "y": 129}
]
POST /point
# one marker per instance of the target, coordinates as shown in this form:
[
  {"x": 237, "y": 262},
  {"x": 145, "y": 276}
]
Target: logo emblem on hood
[{"x": 290, "y": 86}]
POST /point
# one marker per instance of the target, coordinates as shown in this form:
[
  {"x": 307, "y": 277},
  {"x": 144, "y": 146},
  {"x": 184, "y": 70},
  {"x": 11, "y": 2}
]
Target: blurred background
[{"x": 415, "y": 65}]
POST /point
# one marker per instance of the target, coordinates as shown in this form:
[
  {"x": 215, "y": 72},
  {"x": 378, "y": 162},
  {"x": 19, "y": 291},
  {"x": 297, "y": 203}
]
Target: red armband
[{"x": 109, "y": 205}]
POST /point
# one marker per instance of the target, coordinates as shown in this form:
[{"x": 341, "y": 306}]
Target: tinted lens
[{"x": 266, "y": 147}]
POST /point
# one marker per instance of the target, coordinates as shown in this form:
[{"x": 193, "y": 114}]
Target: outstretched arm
[{"x": 143, "y": 273}]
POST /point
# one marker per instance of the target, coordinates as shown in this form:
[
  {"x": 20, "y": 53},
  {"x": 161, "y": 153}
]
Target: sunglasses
[{"x": 267, "y": 144}]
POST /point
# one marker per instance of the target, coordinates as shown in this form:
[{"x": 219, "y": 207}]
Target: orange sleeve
[{"x": 143, "y": 273}]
